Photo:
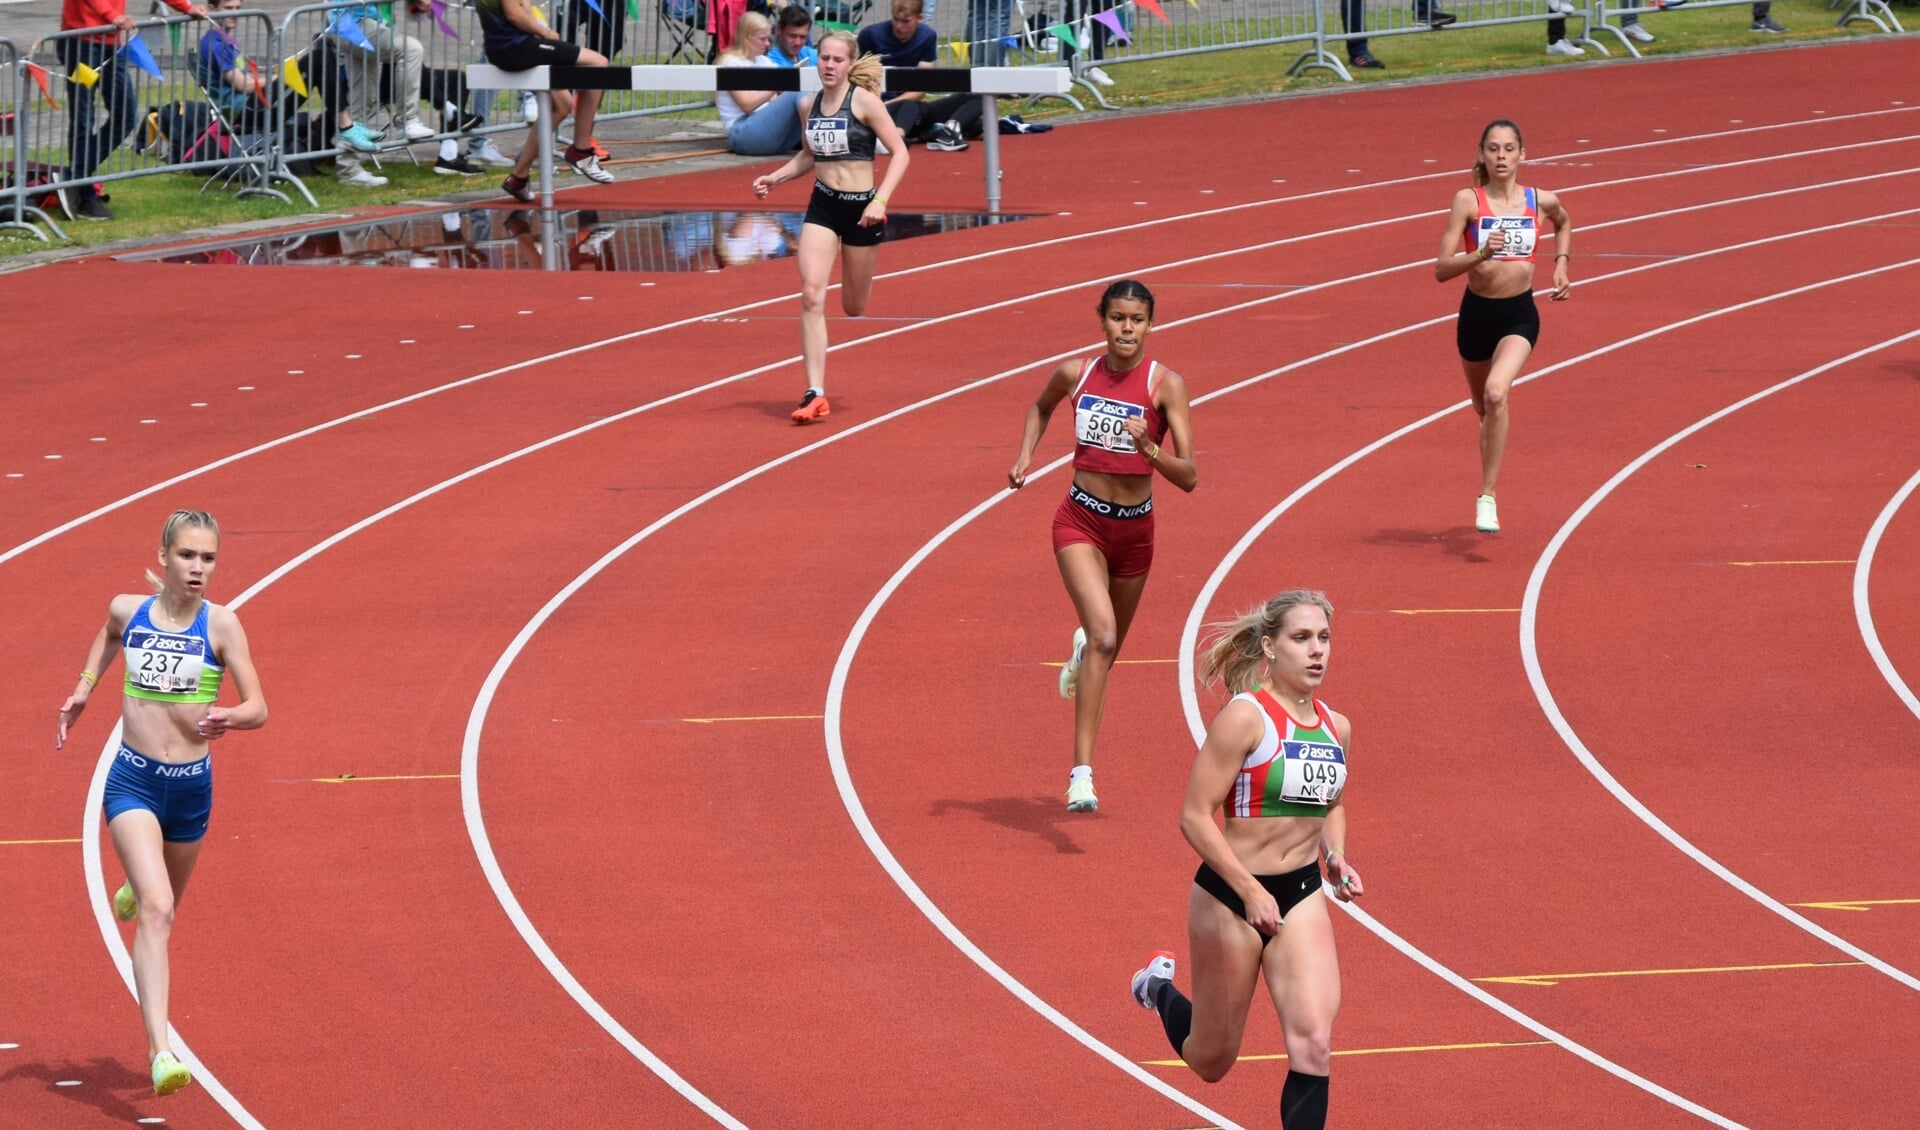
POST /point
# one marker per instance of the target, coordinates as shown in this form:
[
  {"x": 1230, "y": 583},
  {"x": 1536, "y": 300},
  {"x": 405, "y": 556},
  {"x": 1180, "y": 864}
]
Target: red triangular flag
[
  {"x": 259, "y": 88},
  {"x": 1154, "y": 7},
  {"x": 40, "y": 80}
]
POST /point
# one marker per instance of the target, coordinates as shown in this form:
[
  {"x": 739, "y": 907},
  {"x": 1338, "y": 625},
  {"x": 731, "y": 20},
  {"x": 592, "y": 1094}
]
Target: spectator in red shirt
[{"x": 88, "y": 147}]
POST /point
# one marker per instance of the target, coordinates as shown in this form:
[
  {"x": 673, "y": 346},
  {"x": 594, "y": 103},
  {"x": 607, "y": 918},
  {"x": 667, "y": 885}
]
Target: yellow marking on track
[
  {"x": 352, "y": 779},
  {"x": 17, "y": 843},
  {"x": 757, "y": 718},
  {"x": 1547, "y": 980},
  {"x": 1834, "y": 561},
  {"x": 1444, "y": 611},
  {"x": 1116, "y": 663},
  {"x": 1373, "y": 1051},
  {"x": 1862, "y": 905}
]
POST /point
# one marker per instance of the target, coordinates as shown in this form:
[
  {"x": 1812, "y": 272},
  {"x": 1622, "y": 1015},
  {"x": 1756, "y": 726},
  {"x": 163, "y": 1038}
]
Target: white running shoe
[
  {"x": 1561, "y": 7},
  {"x": 1080, "y": 796},
  {"x": 487, "y": 153},
  {"x": 1070, "y": 674},
  {"x": 1562, "y": 47},
  {"x": 417, "y": 130},
  {"x": 1486, "y": 518},
  {"x": 529, "y": 109},
  {"x": 1159, "y": 966},
  {"x": 1636, "y": 33},
  {"x": 1098, "y": 75},
  {"x": 361, "y": 178}
]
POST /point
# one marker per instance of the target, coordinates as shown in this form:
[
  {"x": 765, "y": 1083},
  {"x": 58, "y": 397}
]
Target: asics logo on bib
[
  {"x": 1099, "y": 422},
  {"x": 153, "y": 641}
]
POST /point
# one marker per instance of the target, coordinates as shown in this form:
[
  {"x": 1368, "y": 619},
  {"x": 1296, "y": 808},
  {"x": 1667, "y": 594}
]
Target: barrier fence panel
[
  {"x": 1612, "y": 17},
  {"x": 1875, "y": 12},
  {"x": 16, "y": 213}
]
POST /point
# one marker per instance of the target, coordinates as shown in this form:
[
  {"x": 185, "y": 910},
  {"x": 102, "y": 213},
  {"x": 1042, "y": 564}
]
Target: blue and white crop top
[{"x": 164, "y": 666}]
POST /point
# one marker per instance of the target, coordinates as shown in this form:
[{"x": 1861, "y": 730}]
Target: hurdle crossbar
[{"x": 987, "y": 82}]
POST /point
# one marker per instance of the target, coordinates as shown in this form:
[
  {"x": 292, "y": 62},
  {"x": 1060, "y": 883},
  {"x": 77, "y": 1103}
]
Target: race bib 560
[{"x": 1099, "y": 422}]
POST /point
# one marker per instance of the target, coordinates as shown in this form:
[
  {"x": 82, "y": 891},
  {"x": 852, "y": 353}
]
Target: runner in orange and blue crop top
[
  {"x": 841, "y": 130},
  {"x": 1491, "y": 236},
  {"x": 180, "y": 651},
  {"x": 1130, "y": 421},
  {"x": 1275, "y": 759}
]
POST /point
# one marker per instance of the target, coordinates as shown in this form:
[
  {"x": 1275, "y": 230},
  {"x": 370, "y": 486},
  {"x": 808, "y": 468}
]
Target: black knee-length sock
[
  {"x": 1303, "y": 1102},
  {"x": 1176, "y": 1013}
]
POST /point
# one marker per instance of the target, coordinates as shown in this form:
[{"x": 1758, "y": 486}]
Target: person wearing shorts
[
  {"x": 1491, "y": 235},
  {"x": 514, "y": 39},
  {"x": 180, "y": 650},
  {"x": 842, "y": 129},
  {"x": 1274, "y": 762},
  {"x": 1130, "y": 421}
]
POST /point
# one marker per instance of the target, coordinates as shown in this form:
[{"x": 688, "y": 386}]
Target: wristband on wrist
[
  {"x": 92, "y": 678},
  {"x": 1154, "y": 452},
  {"x": 880, "y": 200}
]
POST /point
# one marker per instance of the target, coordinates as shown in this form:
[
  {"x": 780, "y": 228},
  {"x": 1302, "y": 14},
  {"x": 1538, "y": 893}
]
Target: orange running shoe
[{"x": 813, "y": 406}]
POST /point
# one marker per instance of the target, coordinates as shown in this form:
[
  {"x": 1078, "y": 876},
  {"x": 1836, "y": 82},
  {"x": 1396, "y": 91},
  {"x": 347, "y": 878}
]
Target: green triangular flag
[{"x": 1064, "y": 34}]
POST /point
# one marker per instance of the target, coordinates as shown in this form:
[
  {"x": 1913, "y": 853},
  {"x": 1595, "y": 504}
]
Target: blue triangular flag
[
  {"x": 1010, "y": 41},
  {"x": 348, "y": 29},
  {"x": 142, "y": 57},
  {"x": 597, "y": 10}
]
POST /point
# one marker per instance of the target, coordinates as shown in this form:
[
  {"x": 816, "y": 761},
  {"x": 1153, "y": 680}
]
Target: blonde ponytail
[{"x": 1231, "y": 654}]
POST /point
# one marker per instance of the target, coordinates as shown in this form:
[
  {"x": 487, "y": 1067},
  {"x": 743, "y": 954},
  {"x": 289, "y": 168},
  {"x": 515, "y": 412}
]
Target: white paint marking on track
[
  {"x": 1862, "y": 599},
  {"x": 1530, "y": 654},
  {"x": 470, "y": 798},
  {"x": 696, "y": 319}
]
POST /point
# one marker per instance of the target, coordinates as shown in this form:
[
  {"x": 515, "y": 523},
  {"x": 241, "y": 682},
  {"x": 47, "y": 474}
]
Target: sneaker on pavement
[
  {"x": 357, "y": 136},
  {"x": 813, "y": 406},
  {"x": 1070, "y": 674},
  {"x": 361, "y": 178},
  {"x": 1486, "y": 516},
  {"x": 125, "y": 907},
  {"x": 417, "y": 130},
  {"x": 1562, "y": 47},
  {"x": 1767, "y": 25},
  {"x": 456, "y": 167},
  {"x": 1095, "y": 74},
  {"x": 1636, "y": 33},
  {"x": 529, "y": 109},
  {"x": 520, "y": 188},
  {"x": 169, "y": 1074},
  {"x": 487, "y": 153},
  {"x": 90, "y": 206},
  {"x": 1366, "y": 62},
  {"x": 587, "y": 163},
  {"x": 1080, "y": 796},
  {"x": 1159, "y": 968}
]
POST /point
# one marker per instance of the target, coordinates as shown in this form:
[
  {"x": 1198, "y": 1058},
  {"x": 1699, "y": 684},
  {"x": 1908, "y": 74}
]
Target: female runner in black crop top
[{"x": 847, "y": 215}]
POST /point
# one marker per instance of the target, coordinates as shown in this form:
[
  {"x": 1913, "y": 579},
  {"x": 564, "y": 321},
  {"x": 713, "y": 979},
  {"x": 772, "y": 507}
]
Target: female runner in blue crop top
[
  {"x": 847, "y": 216},
  {"x": 1275, "y": 761},
  {"x": 179, "y": 649}
]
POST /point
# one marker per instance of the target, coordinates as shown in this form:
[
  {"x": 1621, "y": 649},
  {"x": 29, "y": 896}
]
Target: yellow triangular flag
[
  {"x": 960, "y": 51},
  {"x": 1195, "y": 3},
  {"x": 290, "y": 74},
  {"x": 84, "y": 75}
]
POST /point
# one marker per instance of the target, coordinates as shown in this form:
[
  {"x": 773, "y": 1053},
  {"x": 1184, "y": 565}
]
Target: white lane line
[
  {"x": 1862, "y": 601},
  {"x": 470, "y": 798},
  {"x": 1529, "y": 652},
  {"x": 559, "y": 355}
]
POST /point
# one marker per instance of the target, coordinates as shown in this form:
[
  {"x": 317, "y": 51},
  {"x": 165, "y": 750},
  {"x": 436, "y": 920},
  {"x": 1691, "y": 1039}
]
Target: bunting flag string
[
  {"x": 84, "y": 75},
  {"x": 597, "y": 9},
  {"x": 347, "y": 28},
  {"x": 1114, "y": 27},
  {"x": 1154, "y": 7},
  {"x": 259, "y": 86},
  {"x": 633, "y": 9},
  {"x": 290, "y": 74},
  {"x": 960, "y": 50},
  {"x": 1064, "y": 34}
]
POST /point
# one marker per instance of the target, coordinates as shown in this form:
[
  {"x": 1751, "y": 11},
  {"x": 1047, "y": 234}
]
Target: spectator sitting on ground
[
  {"x": 906, "y": 41},
  {"x": 792, "y": 32},
  {"x": 245, "y": 94},
  {"x": 759, "y": 123}
]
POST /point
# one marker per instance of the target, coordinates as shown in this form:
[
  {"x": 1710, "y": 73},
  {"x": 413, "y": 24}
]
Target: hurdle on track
[{"x": 987, "y": 82}]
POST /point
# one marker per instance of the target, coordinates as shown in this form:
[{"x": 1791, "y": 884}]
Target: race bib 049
[
  {"x": 161, "y": 661},
  {"x": 1315, "y": 772},
  {"x": 1099, "y": 422}
]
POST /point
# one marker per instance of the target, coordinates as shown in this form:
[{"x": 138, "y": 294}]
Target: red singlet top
[
  {"x": 1102, "y": 403},
  {"x": 1523, "y": 231}
]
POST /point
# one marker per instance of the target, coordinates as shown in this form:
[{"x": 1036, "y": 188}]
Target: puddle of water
[{"x": 493, "y": 239}]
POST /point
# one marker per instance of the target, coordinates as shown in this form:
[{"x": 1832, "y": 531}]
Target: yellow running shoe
[
  {"x": 169, "y": 1074},
  {"x": 125, "y": 907},
  {"x": 1070, "y": 674},
  {"x": 1080, "y": 796}
]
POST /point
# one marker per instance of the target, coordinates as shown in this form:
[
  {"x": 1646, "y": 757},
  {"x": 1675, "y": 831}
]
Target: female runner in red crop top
[{"x": 1130, "y": 420}]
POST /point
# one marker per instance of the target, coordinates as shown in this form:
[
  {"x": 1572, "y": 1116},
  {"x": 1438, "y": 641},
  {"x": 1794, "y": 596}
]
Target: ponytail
[{"x": 1231, "y": 654}]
